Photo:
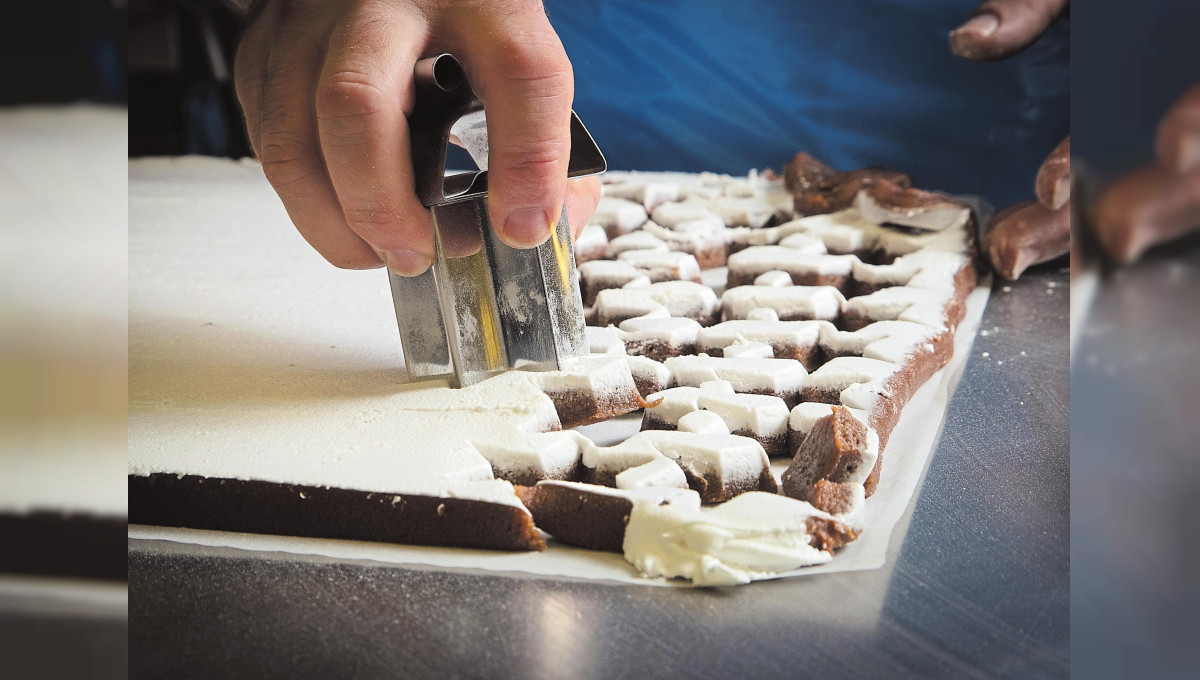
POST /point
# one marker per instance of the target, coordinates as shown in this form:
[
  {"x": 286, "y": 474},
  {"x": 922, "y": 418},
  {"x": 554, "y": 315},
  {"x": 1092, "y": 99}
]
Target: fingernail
[
  {"x": 527, "y": 228},
  {"x": 406, "y": 262},
  {"x": 982, "y": 25}
]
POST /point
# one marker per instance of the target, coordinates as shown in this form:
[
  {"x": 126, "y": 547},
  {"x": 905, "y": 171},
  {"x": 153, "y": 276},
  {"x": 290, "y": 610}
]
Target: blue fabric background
[{"x": 728, "y": 86}]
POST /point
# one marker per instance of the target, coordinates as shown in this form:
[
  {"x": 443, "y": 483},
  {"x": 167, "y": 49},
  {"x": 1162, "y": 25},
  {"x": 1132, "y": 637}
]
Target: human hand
[
  {"x": 1036, "y": 230},
  {"x": 1158, "y": 202},
  {"x": 1001, "y": 28},
  {"x": 325, "y": 86}
]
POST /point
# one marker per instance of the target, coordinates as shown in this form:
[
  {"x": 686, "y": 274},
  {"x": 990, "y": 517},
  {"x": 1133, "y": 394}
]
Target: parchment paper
[{"x": 905, "y": 460}]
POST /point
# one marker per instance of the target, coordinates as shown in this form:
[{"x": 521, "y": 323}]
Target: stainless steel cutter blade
[{"x": 483, "y": 307}]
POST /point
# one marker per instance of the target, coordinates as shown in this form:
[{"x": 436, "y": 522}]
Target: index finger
[{"x": 520, "y": 71}]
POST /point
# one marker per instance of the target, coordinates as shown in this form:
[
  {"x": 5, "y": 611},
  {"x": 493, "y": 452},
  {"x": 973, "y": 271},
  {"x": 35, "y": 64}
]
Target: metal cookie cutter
[{"x": 483, "y": 307}]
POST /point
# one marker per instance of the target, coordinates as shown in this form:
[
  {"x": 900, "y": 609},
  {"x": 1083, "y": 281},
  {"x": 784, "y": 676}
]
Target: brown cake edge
[
  {"x": 260, "y": 507},
  {"x": 597, "y": 521},
  {"x": 64, "y": 543}
]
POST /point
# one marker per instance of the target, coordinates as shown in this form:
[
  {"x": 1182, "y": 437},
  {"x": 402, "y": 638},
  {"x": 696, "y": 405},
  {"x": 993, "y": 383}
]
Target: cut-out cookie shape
[
  {"x": 760, "y": 417},
  {"x": 717, "y": 466},
  {"x": 799, "y": 340},
  {"x": 670, "y": 298},
  {"x": 592, "y": 244},
  {"x": 663, "y": 265},
  {"x": 658, "y": 338},
  {"x": 804, "y": 268},
  {"x": 781, "y": 378},
  {"x": 790, "y": 303},
  {"x": 618, "y": 216}
]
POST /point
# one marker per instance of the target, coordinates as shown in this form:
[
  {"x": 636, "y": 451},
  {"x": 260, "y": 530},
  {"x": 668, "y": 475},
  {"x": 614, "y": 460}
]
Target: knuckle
[
  {"x": 347, "y": 102},
  {"x": 383, "y": 223},
  {"x": 536, "y": 63},
  {"x": 533, "y": 170},
  {"x": 370, "y": 217},
  {"x": 286, "y": 159}
]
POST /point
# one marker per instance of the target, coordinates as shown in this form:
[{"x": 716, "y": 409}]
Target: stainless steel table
[
  {"x": 1135, "y": 428},
  {"x": 976, "y": 584}
]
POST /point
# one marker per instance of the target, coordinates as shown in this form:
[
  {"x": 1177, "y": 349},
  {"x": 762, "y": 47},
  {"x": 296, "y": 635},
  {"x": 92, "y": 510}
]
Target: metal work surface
[
  {"x": 1135, "y": 420},
  {"x": 976, "y": 584}
]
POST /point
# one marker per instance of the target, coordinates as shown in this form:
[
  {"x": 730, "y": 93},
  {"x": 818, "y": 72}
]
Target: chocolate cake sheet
[
  {"x": 342, "y": 342},
  {"x": 907, "y": 456}
]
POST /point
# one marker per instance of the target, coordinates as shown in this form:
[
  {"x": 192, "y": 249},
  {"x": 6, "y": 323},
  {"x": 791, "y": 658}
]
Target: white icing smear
[{"x": 753, "y": 536}]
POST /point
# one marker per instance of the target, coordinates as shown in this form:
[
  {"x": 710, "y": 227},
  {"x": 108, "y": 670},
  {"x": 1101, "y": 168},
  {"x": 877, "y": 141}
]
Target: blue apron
[{"x": 728, "y": 86}]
